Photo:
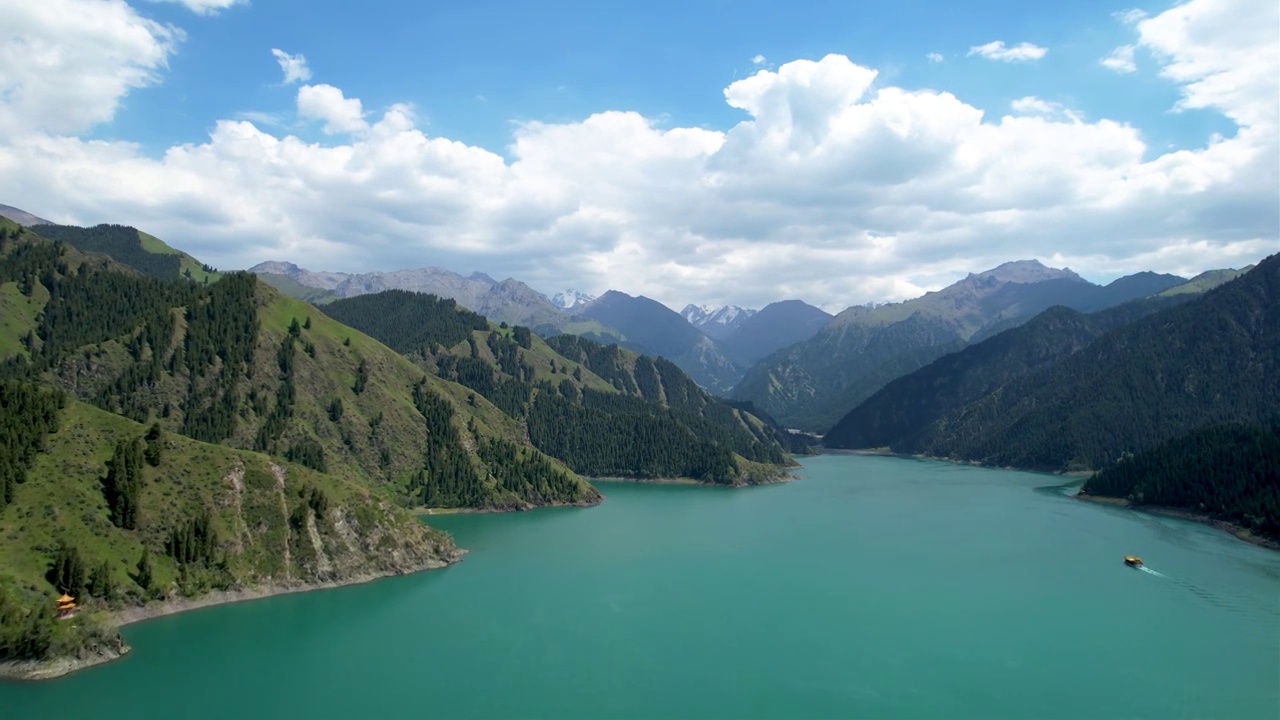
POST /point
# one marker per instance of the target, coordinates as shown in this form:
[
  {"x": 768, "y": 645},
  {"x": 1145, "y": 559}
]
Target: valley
[{"x": 198, "y": 436}]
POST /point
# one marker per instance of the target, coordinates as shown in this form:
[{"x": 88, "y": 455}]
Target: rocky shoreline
[{"x": 48, "y": 669}]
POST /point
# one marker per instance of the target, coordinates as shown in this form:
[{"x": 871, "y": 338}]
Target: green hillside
[
  {"x": 235, "y": 362},
  {"x": 206, "y": 517},
  {"x": 132, "y": 247},
  {"x": 602, "y": 410}
]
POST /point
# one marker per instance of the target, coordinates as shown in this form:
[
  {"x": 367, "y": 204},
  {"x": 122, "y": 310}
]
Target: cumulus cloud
[
  {"x": 835, "y": 186},
  {"x": 1120, "y": 60},
  {"x": 935, "y": 57},
  {"x": 757, "y": 60},
  {"x": 294, "y": 67},
  {"x": 327, "y": 103},
  {"x": 996, "y": 50},
  {"x": 205, "y": 7},
  {"x": 65, "y": 65}
]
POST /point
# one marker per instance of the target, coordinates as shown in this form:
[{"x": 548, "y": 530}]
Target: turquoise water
[{"x": 873, "y": 587}]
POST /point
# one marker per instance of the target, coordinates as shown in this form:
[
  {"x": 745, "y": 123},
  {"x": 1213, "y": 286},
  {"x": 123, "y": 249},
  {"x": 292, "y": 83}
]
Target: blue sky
[
  {"x": 709, "y": 152},
  {"x": 471, "y": 69}
]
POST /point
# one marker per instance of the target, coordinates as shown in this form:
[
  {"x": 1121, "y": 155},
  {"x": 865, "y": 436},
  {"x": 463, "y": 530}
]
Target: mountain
[
  {"x": 571, "y": 299},
  {"x": 716, "y": 323},
  {"x": 222, "y": 437},
  {"x": 904, "y": 409},
  {"x": 776, "y": 326},
  {"x": 1206, "y": 280},
  {"x": 811, "y": 384},
  {"x": 1212, "y": 360},
  {"x": 509, "y": 301},
  {"x": 651, "y": 328},
  {"x": 581, "y": 402},
  {"x": 132, "y": 247},
  {"x": 21, "y": 217},
  {"x": 1229, "y": 473},
  {"x": 234, "y": 362}
]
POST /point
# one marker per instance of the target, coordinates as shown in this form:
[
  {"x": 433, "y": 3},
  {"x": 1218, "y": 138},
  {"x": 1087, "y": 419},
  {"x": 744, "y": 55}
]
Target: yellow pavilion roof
[{"x": 66, "y": 599}]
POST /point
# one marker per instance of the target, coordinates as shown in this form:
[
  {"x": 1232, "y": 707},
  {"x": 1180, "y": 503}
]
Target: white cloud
[
  {"x": 205, "y": 7},
  {"x": 835, "y": 186},
  {"x": 1120, "y": 60},
  {"x": 1129, "y": 17},
  {"x": 66, "y": 65},
  {"x": 294, "y": 67},
  {"x": 757, "y": 60},
  {"x": 1034, "y": 105},
  {"x": 996, "y": 50},
  {"x": 935, "y": 57},
  {"x": 326, "y": 102}
]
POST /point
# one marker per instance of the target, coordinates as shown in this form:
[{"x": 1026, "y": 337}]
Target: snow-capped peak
[
  {"x": 700, "y": 316},
  {"x": 570, "y": 299}
]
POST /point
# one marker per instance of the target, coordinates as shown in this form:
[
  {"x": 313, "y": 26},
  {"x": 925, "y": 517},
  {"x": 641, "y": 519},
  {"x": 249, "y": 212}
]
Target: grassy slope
[
  {"x": 62, "y": 500},
  {"x": 331, "y": 374},
  {"x": 1205, "y": 282},
  {"x": 17, "y": 317},
  {"x": 155, "y": 245},
  {"x": 353, "y": 446}
]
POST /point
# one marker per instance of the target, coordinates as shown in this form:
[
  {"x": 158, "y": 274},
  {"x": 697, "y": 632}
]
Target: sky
[{"x": 707, "y": 151}]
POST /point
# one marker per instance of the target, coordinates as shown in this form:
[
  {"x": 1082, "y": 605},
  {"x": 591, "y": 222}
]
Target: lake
[{"x": 872, "y": 587}]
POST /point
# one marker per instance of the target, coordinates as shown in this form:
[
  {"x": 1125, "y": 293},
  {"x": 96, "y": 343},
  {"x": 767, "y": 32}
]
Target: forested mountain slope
[
  {"x": 1213, "y": 360},
  {"x": 234, "y": 362},
  {"x": 904, "y": 409},
  {"x": 132, "y": 247},
  {"x": 117, "y": 515},
  {"x": 603, "y": 410},
  {"x": 1228, "y": 472},
  {"x": 812, "y": 384}
]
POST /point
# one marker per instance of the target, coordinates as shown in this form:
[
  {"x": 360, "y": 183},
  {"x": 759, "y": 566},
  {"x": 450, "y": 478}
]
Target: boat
[{"x": 1133, "y": 561}]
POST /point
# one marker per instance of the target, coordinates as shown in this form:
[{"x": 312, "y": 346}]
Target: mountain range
[
  {"x": 1070, "y": 391},
  {"x": 811, "y": 384}
]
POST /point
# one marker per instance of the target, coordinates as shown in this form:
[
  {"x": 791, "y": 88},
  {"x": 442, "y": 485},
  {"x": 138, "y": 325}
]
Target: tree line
[{"x": 1230, "y": 472}]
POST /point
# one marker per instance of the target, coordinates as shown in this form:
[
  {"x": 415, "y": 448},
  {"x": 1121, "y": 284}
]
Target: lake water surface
[{"x": 873, "y": 587}]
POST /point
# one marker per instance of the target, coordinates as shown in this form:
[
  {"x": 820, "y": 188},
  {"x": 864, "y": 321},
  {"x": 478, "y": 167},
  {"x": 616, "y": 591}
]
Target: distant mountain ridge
[
  {"x": 776, "y": 326},
  {"x": 813, "y": 383},
  {"x": 716, "y": 323},
  {"x": 651, "y": 328},
  {"x": 22, "y": 217},
  {"x": 509, "y": 301}
]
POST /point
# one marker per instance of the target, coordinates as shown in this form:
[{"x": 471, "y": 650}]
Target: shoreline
[
  {"x": 886, "y": 452},
  {"x": 1239, "y": 532},
  {"x": 430, "y": 511},
  {"x": 53, "y": 668},
  {"x": 781, "y": 478}
]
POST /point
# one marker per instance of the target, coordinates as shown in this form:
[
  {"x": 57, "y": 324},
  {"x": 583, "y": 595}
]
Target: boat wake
[{"x": 1149, "y": 571}]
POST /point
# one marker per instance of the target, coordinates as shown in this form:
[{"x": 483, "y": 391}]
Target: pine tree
[
  {"x": 68, "y": 571},
  {"x": 145, "y": 577},
  {"x": 100, "y": 583},
  {"x": 155, "y": 445}
]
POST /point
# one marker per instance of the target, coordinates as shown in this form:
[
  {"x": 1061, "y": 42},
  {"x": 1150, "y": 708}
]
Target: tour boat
[{"x": 1132, "y": 561}]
